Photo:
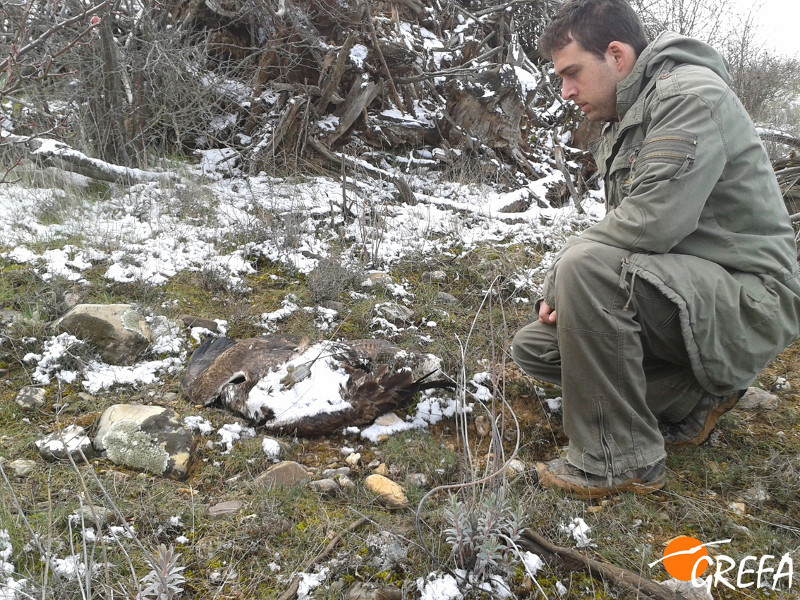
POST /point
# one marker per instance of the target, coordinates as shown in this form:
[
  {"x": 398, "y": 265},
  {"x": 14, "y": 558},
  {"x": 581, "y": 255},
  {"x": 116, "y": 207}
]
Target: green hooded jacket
[{"x": 690, "y": 191}]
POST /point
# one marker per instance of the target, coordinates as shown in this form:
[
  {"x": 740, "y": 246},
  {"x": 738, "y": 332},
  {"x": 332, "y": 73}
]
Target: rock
[
  {"x": 331, "y": 473},
  {"x": 70, "y": 442},
  {"x": 381, "y": 469},
  {"x": 781, "y": 385},
  {"x": 283, "y": 474},
  {"x": 446, "y": 298},
  {"x": 97, "y": 516},
  {"x": 518, "y": 206},
  {"x": 272, "y": 448},
  {"x": 224, "y": 509},
  {"x": 419, "y": 480},
  {"x": 148, "y": 438},
  {"x": 339, "y": 307},
  {"x": 23, "y": 467},
  {"x": 394, "y": 313},
  {"x": 757, "y": 399},
  {"x": 386, "y": 550},
  {"x": 738, "y": 507},
  {"x": 71, "y": 300},
  {"x": 430, "y": 276},
  {"x": 515, "y": 468},
  {"x": 345, "y": 483},
  {"x": 353, "y": 459},
  {"x": 209, "y": 547},
  {"x": 31, "y": 398},
  {"x": 117, "y": 331},
  {"x": 756, "y": 495},
  {"x": 325, "y": 487},
  {"x": 190, "y": 321},
  {"x": 387, "y": 492},
  {"x": 372, "y": 591},
  {"x": 377, "y": 278},
  {"x": 689, "y": 590},
  {"x": 9, "y": 317},
  {"x": 482, "y": 426},
  {"x": 389, "y": 420}
]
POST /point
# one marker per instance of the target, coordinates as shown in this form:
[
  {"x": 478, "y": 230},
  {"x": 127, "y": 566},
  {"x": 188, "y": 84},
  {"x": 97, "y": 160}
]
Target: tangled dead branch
[{"x": 379, "y": 76}]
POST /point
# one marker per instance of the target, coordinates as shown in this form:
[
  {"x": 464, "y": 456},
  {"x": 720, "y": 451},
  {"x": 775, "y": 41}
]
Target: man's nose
[{"x": 568, "y": 91}]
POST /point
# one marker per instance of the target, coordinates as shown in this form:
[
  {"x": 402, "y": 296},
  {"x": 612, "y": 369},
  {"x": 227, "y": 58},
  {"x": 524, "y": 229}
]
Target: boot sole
[
  {"x": 711, "y": 422},
  {"x": 589, "y": 492}
]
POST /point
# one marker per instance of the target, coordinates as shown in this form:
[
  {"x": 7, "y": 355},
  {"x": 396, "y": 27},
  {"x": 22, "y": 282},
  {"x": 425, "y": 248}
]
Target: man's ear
[{"x": 622, "y": 56}]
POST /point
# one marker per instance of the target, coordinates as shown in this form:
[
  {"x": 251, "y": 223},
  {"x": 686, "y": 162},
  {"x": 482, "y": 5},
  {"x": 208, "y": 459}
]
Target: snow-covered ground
[{"x": 222, "y": 223}]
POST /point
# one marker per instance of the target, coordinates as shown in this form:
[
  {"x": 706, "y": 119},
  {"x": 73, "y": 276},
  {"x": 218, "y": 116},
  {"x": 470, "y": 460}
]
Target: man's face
[{"x": 588, "y": 81}]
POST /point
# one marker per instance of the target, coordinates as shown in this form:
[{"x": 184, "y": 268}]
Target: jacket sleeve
[{"x": 673, "y": 174}]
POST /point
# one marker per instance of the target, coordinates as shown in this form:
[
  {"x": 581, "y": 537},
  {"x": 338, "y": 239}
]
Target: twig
[
  {"x": 377, "y": 46},
  {"x": 292, "y": 590},
  {"x": 336, "y": 75},
  {"x": 43, "y": 38},
  {"x": 573, "y": 560},
  {"x": 21, "y": 513},
  {"x": 58, "y": 154},
  {"x": 502, "y": 7},
  {"x": 337, "y": 159},
  {"x": 558, "y": 152},
  {"x": 779, "y": 137},
  {"x": 462, "y": 426},
  {"x": 460, "y": 70}
]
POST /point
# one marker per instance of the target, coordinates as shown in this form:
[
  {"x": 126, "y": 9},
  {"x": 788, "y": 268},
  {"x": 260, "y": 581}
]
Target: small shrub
[
  {"x": 166, "y": 579},
  {"x": 331, "y": 278},
  {"x": 482, "y": 534}
]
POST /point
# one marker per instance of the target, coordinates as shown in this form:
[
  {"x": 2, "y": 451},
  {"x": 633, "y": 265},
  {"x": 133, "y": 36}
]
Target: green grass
[{"x": 229, "y": 557}]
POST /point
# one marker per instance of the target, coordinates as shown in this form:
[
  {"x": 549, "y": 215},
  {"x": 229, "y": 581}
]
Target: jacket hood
[{"x": 666, "y": 51}]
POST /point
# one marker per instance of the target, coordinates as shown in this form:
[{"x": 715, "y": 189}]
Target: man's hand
[{"x": 546, "y": 313}]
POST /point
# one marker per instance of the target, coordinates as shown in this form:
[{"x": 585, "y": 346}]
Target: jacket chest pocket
[{"x": 620, "y": 174}]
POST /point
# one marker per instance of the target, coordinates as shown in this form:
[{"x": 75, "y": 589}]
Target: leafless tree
[
  {"x": 703, "y": 19},
  {"x": 134, "y": 83},
  {"x": 760, "y": 76}
]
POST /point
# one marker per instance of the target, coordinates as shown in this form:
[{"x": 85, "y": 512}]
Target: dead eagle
[{"x": 290, "y": 386}]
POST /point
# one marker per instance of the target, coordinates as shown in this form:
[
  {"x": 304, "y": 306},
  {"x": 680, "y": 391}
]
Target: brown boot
[
  {"x": 560, "y": 474},
  {"x": 697, "y": 426}
]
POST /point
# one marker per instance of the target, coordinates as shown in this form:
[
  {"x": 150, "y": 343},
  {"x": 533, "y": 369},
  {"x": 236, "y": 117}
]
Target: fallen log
[
  {"x": 360, "y": 96},
  {"x": 631, "y": 582},
  {"x": 780, "y": 137},
  {"x": 488, "y": 111},
  {"x": 52, "y": 153},
  {"x": 337, "y": 159},
  {"x": 332, "y": 85}
]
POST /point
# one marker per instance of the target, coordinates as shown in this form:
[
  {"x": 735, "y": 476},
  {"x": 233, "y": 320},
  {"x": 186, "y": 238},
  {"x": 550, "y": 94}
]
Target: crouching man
[{"x": 656, "y": 319}]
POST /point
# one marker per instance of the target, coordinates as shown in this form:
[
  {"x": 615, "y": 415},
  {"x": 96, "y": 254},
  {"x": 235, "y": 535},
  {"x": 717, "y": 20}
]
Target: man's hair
[{"x": 594, "y": 24}]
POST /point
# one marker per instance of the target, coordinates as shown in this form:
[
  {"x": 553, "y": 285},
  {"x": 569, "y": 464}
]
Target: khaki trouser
[{"x": 618, "y": 354}]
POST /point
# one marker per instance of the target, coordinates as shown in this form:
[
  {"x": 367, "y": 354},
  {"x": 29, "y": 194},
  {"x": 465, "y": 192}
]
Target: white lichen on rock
[{"x": 126, "y": 444}]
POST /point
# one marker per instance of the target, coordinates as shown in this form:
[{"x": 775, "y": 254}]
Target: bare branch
[{"x": 5, "y": 63}]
